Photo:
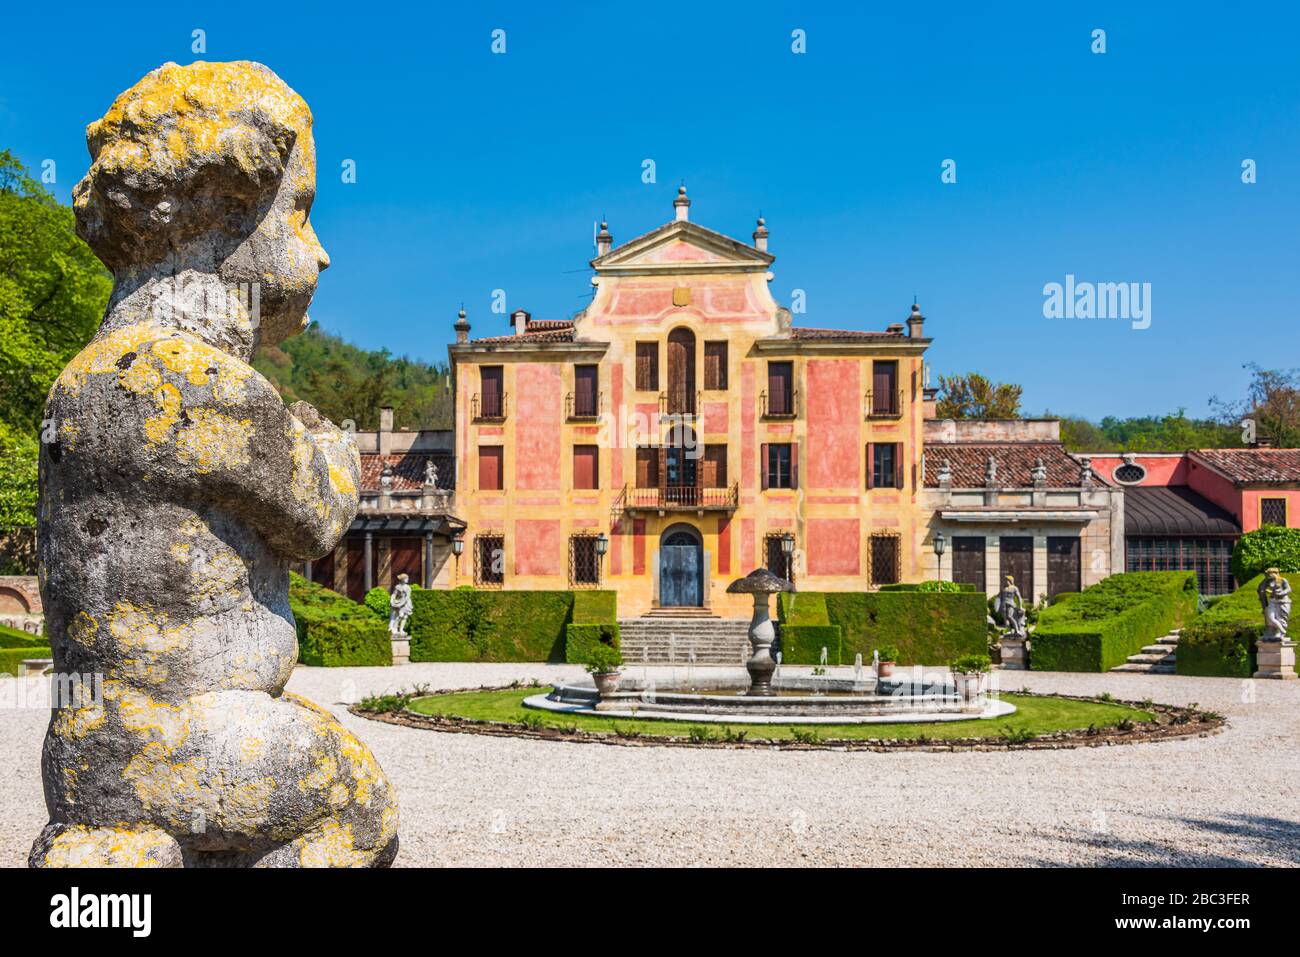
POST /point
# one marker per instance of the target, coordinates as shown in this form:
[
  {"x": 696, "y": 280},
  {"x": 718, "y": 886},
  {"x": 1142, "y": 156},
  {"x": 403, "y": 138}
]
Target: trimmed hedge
[
  {"x": 469, "y": 625},
  {"x": 13, "y": 638},
  {"x": 929, "y": 586},
  {"x": 594, "y": 622},
  {"x": 348, "y": 643},
  {"x": 1265, "y": 548},
  {"x": 1101, "y": 626},
  {"x": 929, "y": 627},
  {"x": 11, "y": 659},
  {"x": 334, "y": 631},
  {"x": 1220, "y": 642}
]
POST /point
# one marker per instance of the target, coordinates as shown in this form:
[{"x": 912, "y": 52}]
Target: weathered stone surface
[{"x": 179, "y": 489}]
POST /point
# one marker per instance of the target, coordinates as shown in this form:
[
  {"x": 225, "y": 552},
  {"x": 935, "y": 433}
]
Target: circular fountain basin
[{"x": 798, "y": 700}]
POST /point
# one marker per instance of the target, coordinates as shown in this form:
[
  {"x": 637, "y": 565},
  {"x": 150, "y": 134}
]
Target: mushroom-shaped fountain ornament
[{"x": 762, "y": 584}]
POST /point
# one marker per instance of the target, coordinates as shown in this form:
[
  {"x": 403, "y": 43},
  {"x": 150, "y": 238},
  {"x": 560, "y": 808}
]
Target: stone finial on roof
[
  {"x": 1085, "y": 472},
  {"x": 915, "y": 322},
  {"x": 1039, "y": 474},
  {"x": 991, "y": 471},
  {"x": 682, "y": 205},
  {"x": 945, "y": 474},
  {"x": 760, "y": 236},
  {"x": 462, "y": 326},
  {"x": 604, "y": 239}
]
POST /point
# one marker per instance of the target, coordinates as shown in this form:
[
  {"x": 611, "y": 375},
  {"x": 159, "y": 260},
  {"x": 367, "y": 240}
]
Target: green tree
[
  {"x": 1272, "y": 402},
  {"x": 972, "y": 396},
  {"x": 53, "y": 292}
]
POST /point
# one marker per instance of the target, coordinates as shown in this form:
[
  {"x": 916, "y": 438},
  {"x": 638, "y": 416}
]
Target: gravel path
[{"x": 1230, "y": 799}]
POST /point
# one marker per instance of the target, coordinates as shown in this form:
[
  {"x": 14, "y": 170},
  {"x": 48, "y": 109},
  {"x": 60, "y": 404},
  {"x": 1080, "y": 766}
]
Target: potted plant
[
  {"x": 967, "y": 670},
  {"x": 603, "y": 665},
  {"x": 888, "y": 657}
]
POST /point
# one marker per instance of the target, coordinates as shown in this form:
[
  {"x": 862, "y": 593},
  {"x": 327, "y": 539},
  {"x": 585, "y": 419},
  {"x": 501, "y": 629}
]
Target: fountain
[{"x": 771, "y": 697}]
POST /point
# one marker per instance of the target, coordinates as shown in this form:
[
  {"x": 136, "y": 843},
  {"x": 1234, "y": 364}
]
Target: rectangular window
[
  {"x": 884, "y": 465},
  {"x": 489, "y": 559},
  {"x": 885, "y": 557},
  {"x": 715, "y": 467},
  {"x": 1016, "y": 558},
  {"x": 1272, "y": 511},
  {"x": 647, "y": 366},
  {"x": 647, "y": 467},
  {"x": 777, "y": 562},
  {"x": 491, "y": 471},
  {"x": 1210, "y": 558},
  {"x": 586, "y": 466},
  {"x": 780, "y": 388},
  {"x": 884, "y": 388},
  {"x": 779, "y": 467},
  {"x": 585, "y": 394},
  {"x": 715, "y": 365},
  {"x": 968, "y": 560},
  {"x": 492, "y": 392},
  {"x": 584, "y": 561}
]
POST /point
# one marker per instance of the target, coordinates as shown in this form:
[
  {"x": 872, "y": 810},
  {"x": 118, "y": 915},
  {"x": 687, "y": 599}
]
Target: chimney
[
  {"x": 682, "y": 205},
  {"x": 604, "y": 241},
  {"x": 386, "y": 430},
  {"x": 760, "y": 236},
  {"x": 519, "y": 318},
  {"x": 915, "y": 322},
  {"x": 461, "y": 327}
]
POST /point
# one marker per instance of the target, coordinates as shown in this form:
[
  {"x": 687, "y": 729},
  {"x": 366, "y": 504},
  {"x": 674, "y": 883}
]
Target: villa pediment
[{"x": 679, "y": 247}]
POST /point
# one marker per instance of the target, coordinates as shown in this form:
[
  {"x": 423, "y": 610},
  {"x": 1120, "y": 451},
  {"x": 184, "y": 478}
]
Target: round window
[{"x": 1130, "y": 474}]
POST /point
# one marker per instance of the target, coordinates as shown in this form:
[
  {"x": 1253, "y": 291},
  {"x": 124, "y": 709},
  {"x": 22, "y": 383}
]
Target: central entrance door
[{"x": 681, "y": 564}]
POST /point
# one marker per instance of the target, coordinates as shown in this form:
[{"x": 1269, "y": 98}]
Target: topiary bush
[
  {"x": 471, "y": 625},
  {"x": 1101, "y": 626},
  {"x": 354, "y": 642},
  {"x": 927, "y": 626},
  {"x": 13, "y": 638},
  {"x": 1264, "y": 548},
  {"x": 377, "y": 601},
  {"x": 11, "y": 659}
]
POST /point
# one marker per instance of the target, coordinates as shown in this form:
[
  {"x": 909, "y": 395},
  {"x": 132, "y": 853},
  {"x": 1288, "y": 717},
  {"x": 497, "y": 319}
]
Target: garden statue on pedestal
[
  {"x": 1010, "y": 608},
  {"x": 177, "y": 492},
  {"x": 400, "y": 608},
  {"x": 1274, "y": 651}
]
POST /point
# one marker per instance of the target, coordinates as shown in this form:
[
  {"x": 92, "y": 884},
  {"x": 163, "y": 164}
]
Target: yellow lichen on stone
[
  {"x": 71, "y": 722},
  {"x": 158, "y": 724},
  {"x": 214, "y": 441},
  {"x": 331, "y": 846},
  {"x": 82, "y": 630},
  {"x": 102, "y": 354},
  {"x": 143, "y": 629},
  {"x": 202, "y": 364},
  {"x": 82, "y": 846},
  {"x": 158, "y": 427}
]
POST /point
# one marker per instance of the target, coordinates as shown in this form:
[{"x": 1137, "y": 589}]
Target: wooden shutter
[
  {"x": 884, "y": 387},
  {"x": 586, "y": 466},
  {"x": 871, "y": 465},
  {"x": 492, "y": 379},
  {"x": 762, "y": 466},
  {"x": 794, "y": 464},
  {"x": 584, "y": 383},
  {"x": 715, "y": 467},
  {"x": 490, "y": 467},
  {"x": 715, "y": 365},
  {"x": 898, "y": 465},
  {"x": 779, "y": 381},
  {"x": 647, "y": 366}
]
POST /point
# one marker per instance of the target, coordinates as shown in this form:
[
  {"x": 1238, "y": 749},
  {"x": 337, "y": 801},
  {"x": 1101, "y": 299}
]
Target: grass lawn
[{"x": 1036, "y": 715}]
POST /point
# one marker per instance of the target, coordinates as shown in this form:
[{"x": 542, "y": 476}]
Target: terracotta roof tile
[
  {"x": 1015, "y": 464},
  {"x": 408, "y": 470},
  {"x": 1249, "y": 466},
  {"x": 800, "y": 332},
  {"x": 547, "y": 335}
]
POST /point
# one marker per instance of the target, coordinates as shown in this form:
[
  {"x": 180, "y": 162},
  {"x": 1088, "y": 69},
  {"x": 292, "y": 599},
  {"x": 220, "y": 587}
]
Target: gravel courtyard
[{"x": 1228, "y": 799}]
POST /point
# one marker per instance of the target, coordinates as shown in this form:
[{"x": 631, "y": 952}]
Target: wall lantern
[{"x": 602, "y": 544}]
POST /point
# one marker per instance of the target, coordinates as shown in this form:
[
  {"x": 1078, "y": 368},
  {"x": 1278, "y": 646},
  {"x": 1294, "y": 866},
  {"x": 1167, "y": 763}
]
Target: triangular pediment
[{"x": 682, "y": 246}]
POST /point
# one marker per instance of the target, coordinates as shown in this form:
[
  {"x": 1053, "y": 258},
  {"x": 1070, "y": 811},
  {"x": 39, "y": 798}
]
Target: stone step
[
  {"x": 1151, "y": 659},
  {"x": 1170, "y": 640},
  {"x": 1159, "y": 649},
  {"x": 1145, "y": 669}
]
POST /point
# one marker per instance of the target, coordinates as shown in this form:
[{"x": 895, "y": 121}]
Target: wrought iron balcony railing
[
  {"x": 578, "y": 405},
  {"x": 487, "y": 406},
  {"x": 679, "y": 403},
  {"x": 778, "y": 405},
  {"x": 883, "y": 405},
  {"x": 687, "y": 497}
]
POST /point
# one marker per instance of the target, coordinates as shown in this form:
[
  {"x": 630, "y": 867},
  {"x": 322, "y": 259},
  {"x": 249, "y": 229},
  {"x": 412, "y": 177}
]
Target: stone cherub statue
[
  {"x": 400, "y": 607},
  {"x": 178, "y": 491},
  {"x": 1011, "y": 609},
  {"x": 430, "y": 473},
  {"x": 1275, "y": 601}
]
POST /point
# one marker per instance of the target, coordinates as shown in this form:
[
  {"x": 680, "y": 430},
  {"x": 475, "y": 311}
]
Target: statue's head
[
  {"x": 403, "y": 578},
  {"x": 1010, "y": 580},
  {"x": 1272, "y": 572},
  {"x": 208, "y": 167}
]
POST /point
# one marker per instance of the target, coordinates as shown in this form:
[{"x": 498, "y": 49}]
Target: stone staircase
[
  {"x": 660, "y": 640},
  {"x": 1157, "y": 659}
]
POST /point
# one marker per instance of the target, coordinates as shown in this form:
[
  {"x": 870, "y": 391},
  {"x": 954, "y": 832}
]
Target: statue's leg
[{"x": 80, "y": 845}]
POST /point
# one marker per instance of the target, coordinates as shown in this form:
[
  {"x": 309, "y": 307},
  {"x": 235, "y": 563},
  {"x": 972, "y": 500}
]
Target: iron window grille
[
  {"x": 1210, "y": 558},
  {"x": 778, "y": 563},
  {"x": 489, "y": 560},
  {"x": 584, "y": 562},
  {"x": 1129, "y": 474},
  {"x": 1272, "y": 511},
  {"x": 885, "y": 558}
]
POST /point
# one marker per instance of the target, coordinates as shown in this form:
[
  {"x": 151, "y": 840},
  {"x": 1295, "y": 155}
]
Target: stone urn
[
  {"x": 762, "y": 584},
  {"x": 607, "y": 683},
  {"x": 968, "y": 684}
]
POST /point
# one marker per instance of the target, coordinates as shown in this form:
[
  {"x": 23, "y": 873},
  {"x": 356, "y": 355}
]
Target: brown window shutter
[
  {"x": 898, "y": 465},
  {"x": 490, "y": 467},
  {"x": 715, "y": 365},
  {"x": 794, "y": 464},
  {"x": 762, "y": 466},
  {"x": 871, "y": 463},
  {"x": 586, "y": 467}
]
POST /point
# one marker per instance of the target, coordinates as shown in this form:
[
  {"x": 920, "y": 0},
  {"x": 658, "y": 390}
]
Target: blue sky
[{"x": 478, "y": 171}]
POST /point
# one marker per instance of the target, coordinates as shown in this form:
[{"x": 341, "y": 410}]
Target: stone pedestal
[
  {"x": 402, "y": 649},
  {"x": 1275, "y": 659},
  {"x": 1014, "y": 655}
]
